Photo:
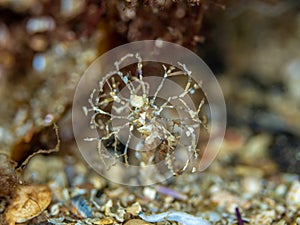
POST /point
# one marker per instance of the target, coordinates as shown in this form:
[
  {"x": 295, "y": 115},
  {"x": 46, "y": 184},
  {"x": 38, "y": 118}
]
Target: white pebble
[
  {"x": 149, "y": 193},
  {"x": 280, "y": 189},
  {"x": 251, "y": 185}
]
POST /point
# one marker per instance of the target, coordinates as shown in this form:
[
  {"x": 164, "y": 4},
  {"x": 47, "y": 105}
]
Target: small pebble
[
  {"x": 137, "y": 222},
  {"x": 54, "y": 210},
  {"x": 150, "y": 193},
  {"x": 293, "y": 195},
  {"x": 251, "y": 185},
  {"x": 105, "y": 221},
  {"x": 280, "y": 189},
  {"x": 38, "y": 43}
]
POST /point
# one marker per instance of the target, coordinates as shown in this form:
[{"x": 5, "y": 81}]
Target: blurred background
[{"x": 252, "y": 47}]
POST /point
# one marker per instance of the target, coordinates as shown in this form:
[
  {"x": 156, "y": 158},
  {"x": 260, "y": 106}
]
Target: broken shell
[
  {"x": 134, "y": 209},
  {"x": 81, "y": 207},
  {"x": 29, "y": 202}
]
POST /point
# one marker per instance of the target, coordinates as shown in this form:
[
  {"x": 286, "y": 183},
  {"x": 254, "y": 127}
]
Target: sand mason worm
[{"x": 125, "y": 106}]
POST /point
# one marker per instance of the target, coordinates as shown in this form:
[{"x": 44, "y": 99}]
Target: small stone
[
  {"x": 105, "y": 221},
  {"x": 293, "y": 195},
  {"x": 54, "y": 210},
  {"x": 150, "y": 193},
  {"x": 137, "y": 222},
  {"x": 280, "y": 209},
  {"x": 29, "y": 202},
  {"x": 251, "y": 185},
  {"x": 38, "y": 43},
  {"x": 280, "y": 189}
]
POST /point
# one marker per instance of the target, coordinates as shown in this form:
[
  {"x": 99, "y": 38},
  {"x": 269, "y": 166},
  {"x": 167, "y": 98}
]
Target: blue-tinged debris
[{"x": 81, "y": 206}]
